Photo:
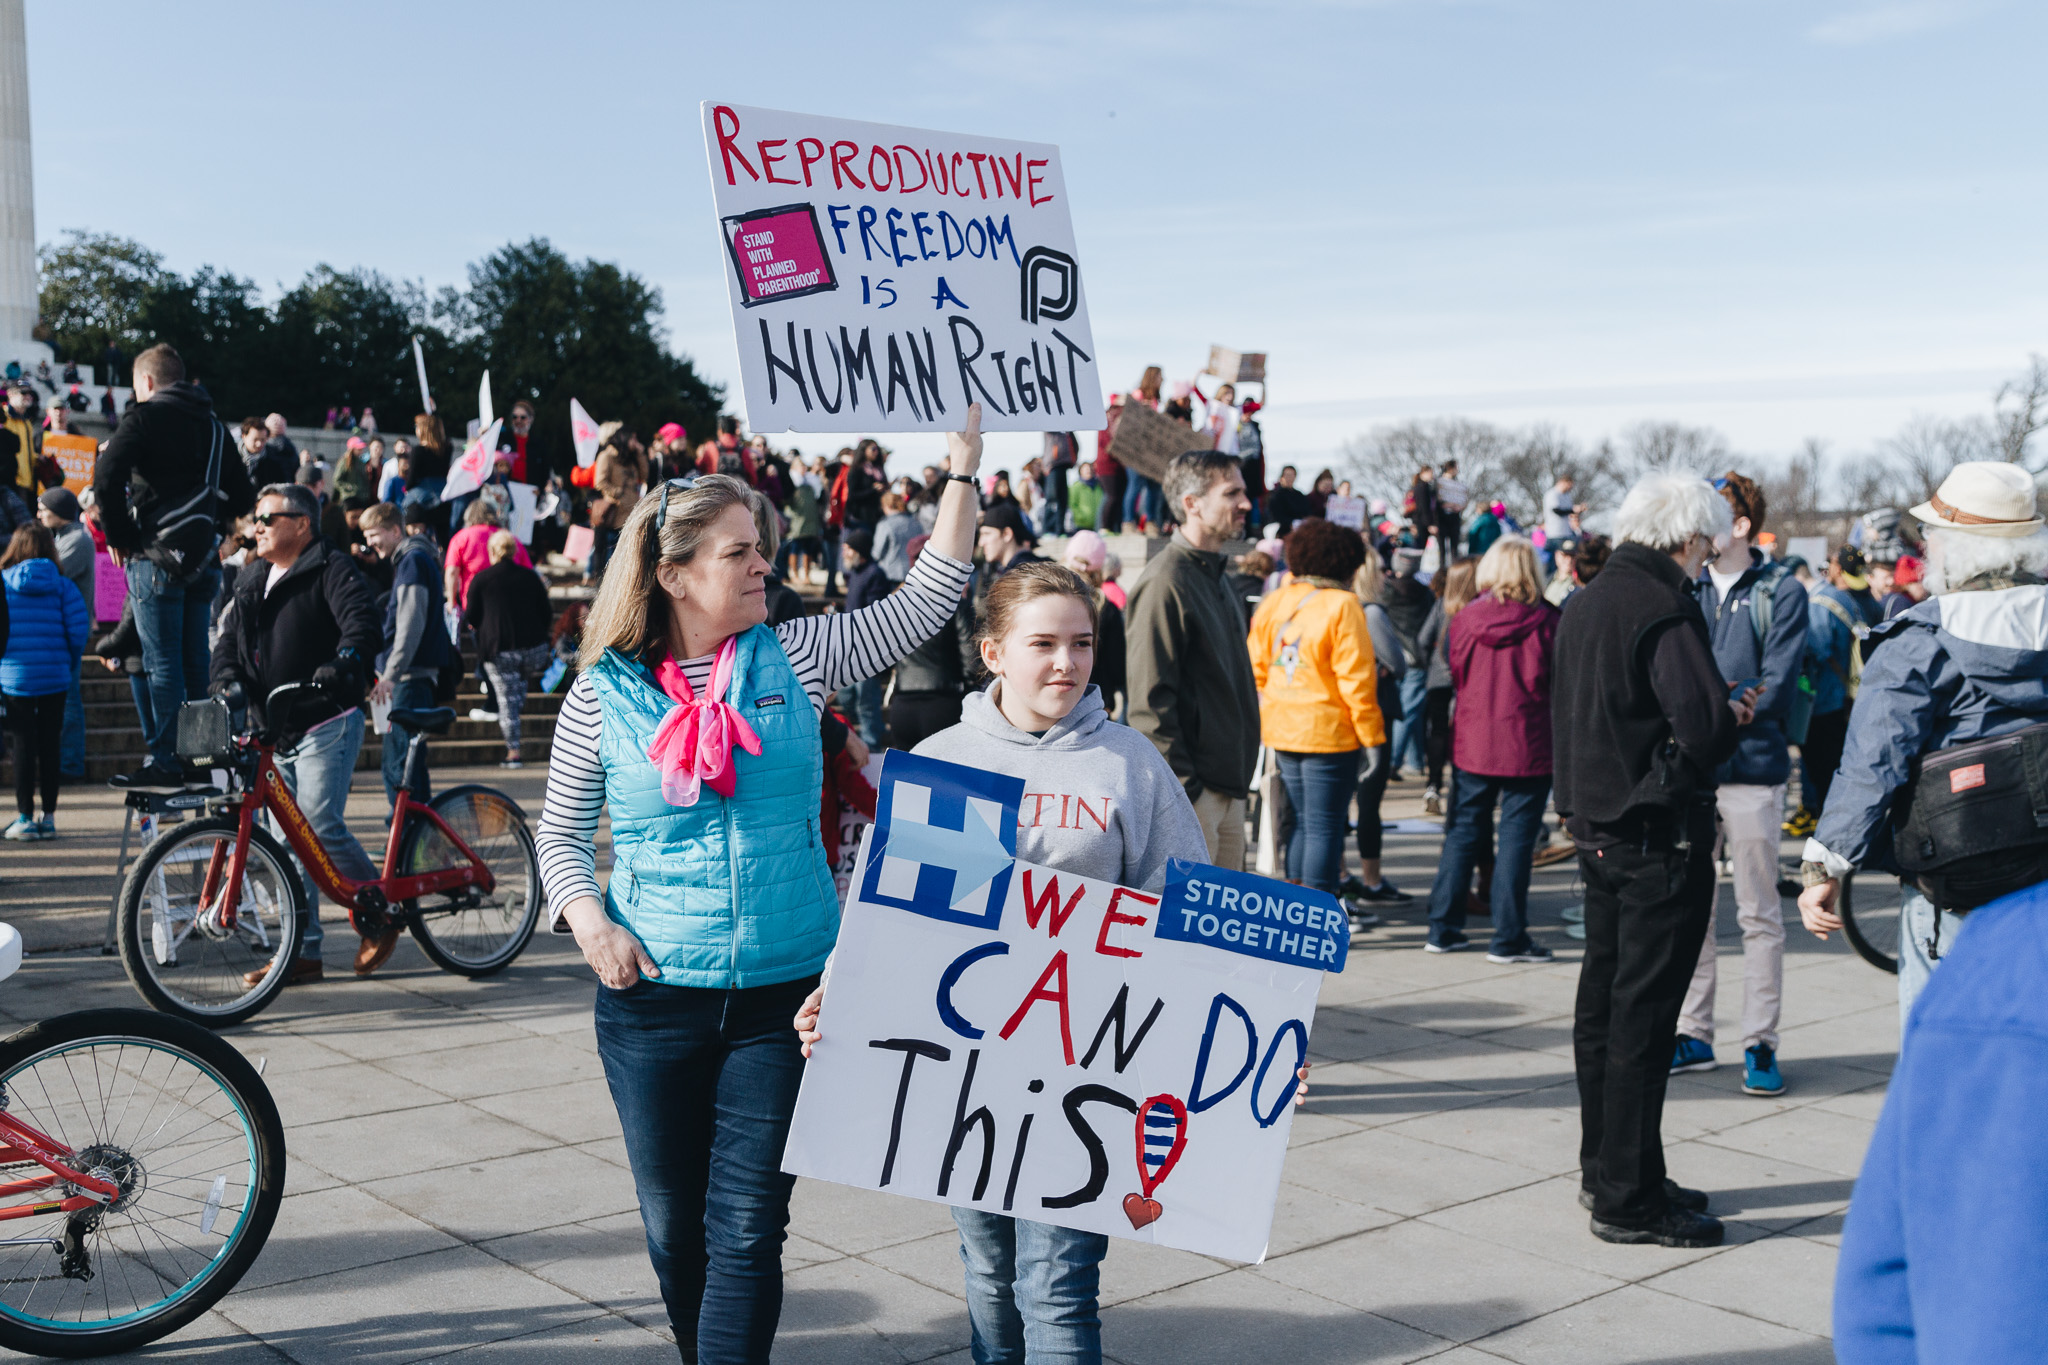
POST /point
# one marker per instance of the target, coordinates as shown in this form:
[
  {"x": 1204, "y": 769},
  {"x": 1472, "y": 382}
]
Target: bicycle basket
[{"x": 206, "y": 733}]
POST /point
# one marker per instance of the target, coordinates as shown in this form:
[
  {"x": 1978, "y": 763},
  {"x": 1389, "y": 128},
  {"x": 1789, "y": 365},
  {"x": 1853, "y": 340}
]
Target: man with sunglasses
[{"x": 310, "y": 618}]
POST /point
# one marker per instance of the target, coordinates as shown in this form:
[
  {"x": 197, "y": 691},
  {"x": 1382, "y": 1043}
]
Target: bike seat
[{"x": 433, "y": 720}]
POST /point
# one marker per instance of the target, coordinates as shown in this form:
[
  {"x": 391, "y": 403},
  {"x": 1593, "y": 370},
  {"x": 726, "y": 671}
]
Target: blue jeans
[
  {"x": 1320, "y": 788},
  {"x": 1408, "y": 728},
  {"x": 863, "y": 702},
  {"x": 145, "y": 709},
  {"x": 71, "y": 756},
  {"x": 318, "y": 773},
  {"x": 412, "y": 694},
  {"x": 1031, "y": 1290},
  {"x": 705, "y": 1082},
  {"x": 171, "y": 617},
  {"x": 1916, "y": 927},
  {"x": 1471, "y": 812},
  {"x": 1141, "y": 495}
]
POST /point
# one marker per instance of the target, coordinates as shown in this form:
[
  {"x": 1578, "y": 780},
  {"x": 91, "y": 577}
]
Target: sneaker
[
  {"x": 1386, "y": 893},
  {"x": 1535, "y": 952},
  {"x": 1454, "y": 942},
  {"x": 1800, "y": 824},
  {"x": 1675, "y": 1194},
  {"x": 1395, "y": 776},
  {"x": 1760, "y": 1071},
  {"x": 151, "y": 777},
  {"x": 1692, "y": 1054},
  {"x": 478, "y": 713},
  {"x": 1674, "y": 1227},
  {"x": 512, "y": 763},
  {"x": 1574, "y": 913},
  {"x": 22, "y": 831},
  {"x": 1361, "y": 918},
  {"x": 1432, "y": 802},
  {"x": 46, "y": 828}
]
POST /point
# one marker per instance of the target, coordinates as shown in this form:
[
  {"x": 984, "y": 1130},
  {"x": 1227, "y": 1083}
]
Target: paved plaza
[{"x": 458, "y": 1187}]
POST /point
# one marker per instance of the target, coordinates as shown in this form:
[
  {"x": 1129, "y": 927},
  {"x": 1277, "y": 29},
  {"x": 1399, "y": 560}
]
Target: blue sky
[{"x": 1781, "y": 218}]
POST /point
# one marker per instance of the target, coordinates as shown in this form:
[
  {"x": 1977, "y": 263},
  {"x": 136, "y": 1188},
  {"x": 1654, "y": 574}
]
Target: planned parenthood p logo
[{"x": 944, "y": 842}]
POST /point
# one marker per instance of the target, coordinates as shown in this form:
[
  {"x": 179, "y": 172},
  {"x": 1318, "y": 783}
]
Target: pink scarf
[{"x": 693, "y": 743}]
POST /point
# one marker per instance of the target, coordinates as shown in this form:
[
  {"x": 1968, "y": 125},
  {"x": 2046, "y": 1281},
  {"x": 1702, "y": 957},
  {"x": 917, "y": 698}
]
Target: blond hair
[
  {"x": 1509, "y": 571},
  {"x": 501, "y": 545},
  {"x": 378, "y": 515},
  {"x": 1028, "y": 583},
  {"x": 1370, "y": 578},
  {"x": 631, "y": 611}
]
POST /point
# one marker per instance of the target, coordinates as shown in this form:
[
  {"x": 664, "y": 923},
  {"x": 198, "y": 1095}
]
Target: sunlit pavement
[{"x": 457, "y": 1184}]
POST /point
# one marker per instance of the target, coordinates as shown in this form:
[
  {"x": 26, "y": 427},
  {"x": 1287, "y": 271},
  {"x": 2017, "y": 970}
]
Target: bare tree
[
  {"x": 1663, "y": 447},
  {"x": 2020, "y": 410},
  {"x": 1383, "y": 462},
  {"x": 1912, "y": 464}
]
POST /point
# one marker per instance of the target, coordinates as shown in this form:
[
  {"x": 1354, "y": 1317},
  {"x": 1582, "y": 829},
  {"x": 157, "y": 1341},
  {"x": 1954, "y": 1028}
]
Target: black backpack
[
  {"x": 1972, "y": 824},
  {"x": 185, "y": 534}
]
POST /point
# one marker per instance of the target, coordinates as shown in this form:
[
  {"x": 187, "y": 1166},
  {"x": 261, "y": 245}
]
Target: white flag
[
  {"x": 472, "y": 466},
  {"x": 419, "y": 358},
  {"x": 483, "y": 401},
  {"x": 583, "y": 429}
]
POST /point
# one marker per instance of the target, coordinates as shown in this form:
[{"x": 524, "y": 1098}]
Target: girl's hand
[
  {"x": 807, "y": 1030},
  {"x": 964, "y": 447},
  {"x": 1301, "y": 1091},
  {"x": 608, "y": 946}
]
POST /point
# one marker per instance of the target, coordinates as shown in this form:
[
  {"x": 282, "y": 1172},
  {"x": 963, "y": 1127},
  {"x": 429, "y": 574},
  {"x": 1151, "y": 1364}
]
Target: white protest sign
[
  {"x": 467, "y": 472},
  {"x": 883, "y": 278},
  {"x": 419, "y": 359},
  {"x": 484, "y": 414},
  {"x": 583, "y": 431},
  {"x": 1008, "y": 1038},
  {"x": 523, "y": 504},
  {"x": 1345, "y": 512}
]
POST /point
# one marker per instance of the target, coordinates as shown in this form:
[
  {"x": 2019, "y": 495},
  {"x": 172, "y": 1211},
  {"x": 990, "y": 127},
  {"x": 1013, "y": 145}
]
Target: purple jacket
[{"x": 1500, "y": 656}]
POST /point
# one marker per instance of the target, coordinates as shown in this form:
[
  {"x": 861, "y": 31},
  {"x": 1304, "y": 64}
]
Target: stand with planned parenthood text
[
  {"x": 1017, "y": 1040},
  {"x": 884, "y": 278}
]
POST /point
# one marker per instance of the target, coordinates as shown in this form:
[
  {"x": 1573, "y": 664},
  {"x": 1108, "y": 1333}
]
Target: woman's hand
[
  {"x": 959, "y": 507},
  {"x": 963, "y": 448},
  {"x": 608, "y": 946},
  {"x": 807, "y": 1030}
]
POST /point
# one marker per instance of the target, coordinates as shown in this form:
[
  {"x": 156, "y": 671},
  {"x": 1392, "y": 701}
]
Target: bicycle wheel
[
  {"x": 178, "y": 957},
  {"x": 183, "y": 1124},
  {"x": 467, "y": 932},
  {"x": 1873, "y": 930}
]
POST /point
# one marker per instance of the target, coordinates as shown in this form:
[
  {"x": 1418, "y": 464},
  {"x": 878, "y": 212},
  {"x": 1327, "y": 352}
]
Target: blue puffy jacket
[
  {"x": 1761, "y": 756},
  {"x": 1960, "y": 667},
  {"x": 47, "y": 626}
]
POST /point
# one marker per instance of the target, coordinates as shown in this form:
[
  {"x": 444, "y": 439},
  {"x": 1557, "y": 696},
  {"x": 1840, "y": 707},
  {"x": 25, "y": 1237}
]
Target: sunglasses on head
[
  {"x": 272, "y": 518},
  {"x": 661, "y": 508}
]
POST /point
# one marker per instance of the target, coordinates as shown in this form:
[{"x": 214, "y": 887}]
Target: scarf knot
[{"x": 693, "y": 744}]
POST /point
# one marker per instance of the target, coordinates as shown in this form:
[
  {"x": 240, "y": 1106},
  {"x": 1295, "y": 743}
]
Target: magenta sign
[{"x": 779, "y": 254}]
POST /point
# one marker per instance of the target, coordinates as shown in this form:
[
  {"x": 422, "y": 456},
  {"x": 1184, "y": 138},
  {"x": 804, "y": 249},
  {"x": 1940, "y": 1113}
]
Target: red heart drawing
[{"x": 1141, "y": 1210}]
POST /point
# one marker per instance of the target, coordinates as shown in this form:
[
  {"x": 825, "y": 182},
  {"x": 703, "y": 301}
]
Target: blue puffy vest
[{"x": 726, "y": 892}]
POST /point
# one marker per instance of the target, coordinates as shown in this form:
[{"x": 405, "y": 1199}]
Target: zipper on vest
[{"x": 732, "y": 862}]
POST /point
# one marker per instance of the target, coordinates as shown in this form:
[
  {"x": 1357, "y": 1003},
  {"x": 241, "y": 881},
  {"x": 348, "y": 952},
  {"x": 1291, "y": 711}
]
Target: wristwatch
[
  {"x": 967, "y": 479},
  {"x": 1813, "y": 874}
]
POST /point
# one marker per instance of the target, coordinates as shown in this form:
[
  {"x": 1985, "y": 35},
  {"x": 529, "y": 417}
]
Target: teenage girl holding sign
[{"x": 1031, "y": 1287}]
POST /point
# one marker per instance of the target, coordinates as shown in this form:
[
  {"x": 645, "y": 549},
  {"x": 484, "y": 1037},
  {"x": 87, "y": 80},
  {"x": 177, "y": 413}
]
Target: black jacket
[
  {"x": 322, "y": 606},
  {"x": 1639, "y": 711},
  {"x": 508, "y": 608},
  {"x": 949, "y": 662},
  {"x": 277, "y": 462},
  {"x": 1190, "y": 671},
  {"x": 156, "y": 457},
  {"x": 1286, "y": 506},
  {"x": 1408, "y": 602}
]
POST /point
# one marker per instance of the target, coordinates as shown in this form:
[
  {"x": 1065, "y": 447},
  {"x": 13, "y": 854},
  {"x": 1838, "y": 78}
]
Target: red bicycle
[
  {"x": 152, "y": 1161},
  {"x": 213, "y": 904}
]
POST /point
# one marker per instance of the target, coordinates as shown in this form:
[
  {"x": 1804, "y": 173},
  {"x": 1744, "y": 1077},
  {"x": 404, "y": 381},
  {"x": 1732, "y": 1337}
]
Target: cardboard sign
[
  {"x": 883, "y": 278},
  {"x": 1005, "y": 1037},
  {"x": 1345, "y": 512},
  {"x": 1147, "y": 441},
  {"x": 109, "y": 587},
  {"x": 1236, "y": 367},
  {"x": 75, "y": 454}
]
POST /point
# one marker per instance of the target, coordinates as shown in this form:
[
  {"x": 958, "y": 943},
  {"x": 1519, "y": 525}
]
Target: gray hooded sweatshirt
[{"x": 1099, "y": 800}]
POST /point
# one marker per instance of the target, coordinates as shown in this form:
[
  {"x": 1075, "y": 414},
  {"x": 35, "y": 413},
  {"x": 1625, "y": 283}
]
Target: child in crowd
[
  {"x": 1032, "y": 1287},
  {"x": 47, "y": 627}
]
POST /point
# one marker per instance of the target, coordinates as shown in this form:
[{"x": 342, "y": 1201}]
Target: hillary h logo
[{"x": 944, "y": 841}]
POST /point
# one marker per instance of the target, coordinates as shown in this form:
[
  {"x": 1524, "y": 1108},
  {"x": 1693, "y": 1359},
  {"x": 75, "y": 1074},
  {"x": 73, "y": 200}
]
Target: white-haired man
[
  {"x": 1941, "y": 1249},
  {"x": 1641, "y": 717}
]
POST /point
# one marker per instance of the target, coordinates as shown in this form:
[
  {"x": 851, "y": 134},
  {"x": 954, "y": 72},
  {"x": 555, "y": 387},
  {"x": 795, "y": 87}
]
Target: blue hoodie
[
  {"x": 1761, "y": 757},
  {"x": 1942, "y": 1255},
  {"x": 47, "y": 626}
]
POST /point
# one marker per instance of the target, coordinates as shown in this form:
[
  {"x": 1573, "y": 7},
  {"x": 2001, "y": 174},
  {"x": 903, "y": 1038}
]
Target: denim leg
[
  {"x": 138, "y": 688},
  {"x": 1297, "y": 826},
  {"x": 200, "y": 591},
  {"x": 1408, "y": 727},
  {"x": 318, "y": 774},
  {"x": 1466, "y": 829},
  {"x": 410, "y": 694},
  {"x": 1521, "y": 823},
  {"x": 160, "y": 622},
  {"x": 1917, "y": 920},
  {"x": 988, "y": 1253},
  {"x": 72, "y": 760},
  {"x": 867, "y": 695},
  {"x": 1058, "y": 1273},
  {"x": 1321, "y": 791}
]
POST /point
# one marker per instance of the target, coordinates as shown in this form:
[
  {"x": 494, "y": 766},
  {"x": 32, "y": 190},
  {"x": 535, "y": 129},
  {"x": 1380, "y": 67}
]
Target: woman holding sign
[
  {"x": 697, "y": 724},
  {"x": 1031, "y": 1287}
]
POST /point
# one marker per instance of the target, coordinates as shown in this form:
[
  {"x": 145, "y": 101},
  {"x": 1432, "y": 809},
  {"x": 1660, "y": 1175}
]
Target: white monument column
[{"x": 18, "y": 287}]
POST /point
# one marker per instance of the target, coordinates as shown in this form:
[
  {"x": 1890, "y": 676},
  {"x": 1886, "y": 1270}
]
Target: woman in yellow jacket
[{"x": 1312, "y": 657}]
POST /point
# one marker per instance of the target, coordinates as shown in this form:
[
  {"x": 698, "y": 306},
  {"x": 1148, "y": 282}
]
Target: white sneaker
[
  {"x": 478, "y": 713},
  {"x": 22, "y": 831}
]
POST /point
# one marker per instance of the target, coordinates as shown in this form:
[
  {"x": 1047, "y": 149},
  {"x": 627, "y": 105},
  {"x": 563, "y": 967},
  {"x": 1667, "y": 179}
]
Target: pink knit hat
[{"x": 1086, "y": 547}]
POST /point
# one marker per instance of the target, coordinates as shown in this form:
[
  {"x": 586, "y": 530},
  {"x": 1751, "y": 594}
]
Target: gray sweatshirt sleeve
[{"x": 408, "y": 630}]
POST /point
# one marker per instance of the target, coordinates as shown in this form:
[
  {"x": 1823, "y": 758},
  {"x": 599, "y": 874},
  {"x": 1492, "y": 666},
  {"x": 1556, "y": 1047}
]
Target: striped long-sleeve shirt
[{"x": 827, "y": 652}]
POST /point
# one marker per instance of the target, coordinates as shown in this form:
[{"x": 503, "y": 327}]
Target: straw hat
[{"x": 1984, "y": 498}]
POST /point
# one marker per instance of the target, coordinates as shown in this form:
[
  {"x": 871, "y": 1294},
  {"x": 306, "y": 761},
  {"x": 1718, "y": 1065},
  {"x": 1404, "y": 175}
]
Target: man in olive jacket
[{"x": 1191, "y": 687}]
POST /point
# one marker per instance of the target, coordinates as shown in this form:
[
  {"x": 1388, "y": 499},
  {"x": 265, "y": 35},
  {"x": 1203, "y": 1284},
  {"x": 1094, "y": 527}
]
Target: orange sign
[{"x": 75, "y": 454}]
